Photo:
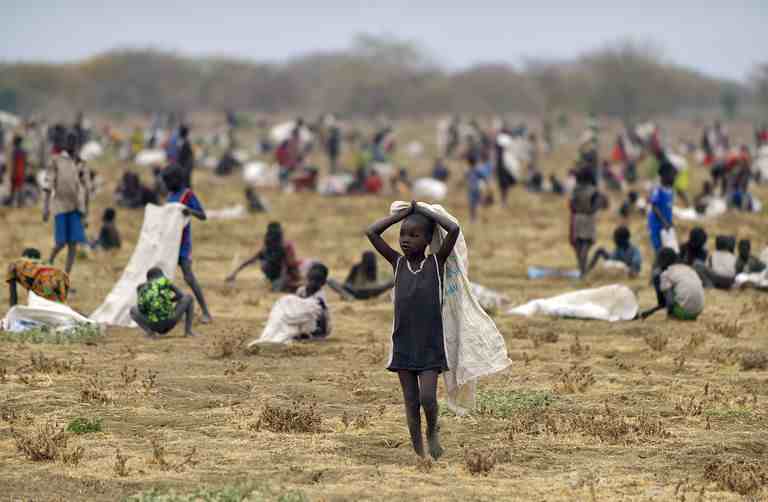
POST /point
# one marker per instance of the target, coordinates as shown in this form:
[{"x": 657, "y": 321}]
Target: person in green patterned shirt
[{"x": 161, "y": 305}]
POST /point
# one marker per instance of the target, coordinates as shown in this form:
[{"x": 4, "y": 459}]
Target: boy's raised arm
[
  {"x": 449, "y": 226},
  {"x": 374, "y": 234}
]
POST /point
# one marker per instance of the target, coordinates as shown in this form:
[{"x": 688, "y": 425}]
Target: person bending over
[
  {"x": 678, "y": 288},
  {"x": 161, "y": 305},
  {"x": 625, "y": 252},
  {"x": 278, "y": 261},
  {"x": 363, "y": 282},
  {"x": 33, "y": 275}
]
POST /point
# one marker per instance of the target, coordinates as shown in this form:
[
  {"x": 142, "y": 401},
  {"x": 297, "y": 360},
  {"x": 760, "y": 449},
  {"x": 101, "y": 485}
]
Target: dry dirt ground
[{"x": 654, "y": 410}]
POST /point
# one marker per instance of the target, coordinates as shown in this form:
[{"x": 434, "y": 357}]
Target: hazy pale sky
[{"x": 720, "y": 37}]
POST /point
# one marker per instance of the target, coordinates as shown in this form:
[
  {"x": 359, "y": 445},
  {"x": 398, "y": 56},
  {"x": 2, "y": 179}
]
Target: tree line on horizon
[{"x": 379, "y": 76}]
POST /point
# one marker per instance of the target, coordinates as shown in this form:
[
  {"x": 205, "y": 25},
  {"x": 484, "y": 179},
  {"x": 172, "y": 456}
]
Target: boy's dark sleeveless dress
[{"x": 417, "y": 339}]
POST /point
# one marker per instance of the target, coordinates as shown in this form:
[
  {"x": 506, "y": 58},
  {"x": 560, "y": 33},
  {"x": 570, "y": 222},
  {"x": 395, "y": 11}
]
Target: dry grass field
[{"x": 654, "y": 410}]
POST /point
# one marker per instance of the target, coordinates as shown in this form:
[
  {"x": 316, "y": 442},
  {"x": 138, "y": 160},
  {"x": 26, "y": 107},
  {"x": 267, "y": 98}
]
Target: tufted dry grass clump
[
  {"x": 745, "y": 477},
  {"x": 727, "y": 329},
  {"x": 479, "y": 462},
  {"x": 39, "y": 363},
  {"x": 576, "y": 379},
  {"x": 296, "y": 418},
  {"x": 754, "y": 360},
  {"x": 93, "y": 390},
  {"x": 46, "y": 443},
  {"x": 657, "y": 341}
]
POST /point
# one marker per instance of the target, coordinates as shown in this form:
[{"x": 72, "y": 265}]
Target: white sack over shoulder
[
  {"x": 158, "y": 246},
  {"x": 473, "y": 345},
  {"x": 609, "y": 303}
]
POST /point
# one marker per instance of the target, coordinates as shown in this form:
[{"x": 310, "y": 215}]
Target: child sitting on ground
[
  {"x": 45, "y": 281},
  {"x": 316, "y": 279},
  {"x": 625, "y": 252},
  {"x": 630, "y": 205},
  {"x": 161, "y": 305},
  {"x": 362, "y": 283},
  {"x": 109, "y": 237},
  {"x": 278, "y": 261},
  {"x": 721, "y": 264},
  {"x": 678, "y": 288},
  {"x": 418, "y": 352},
  {"x": 746, "y": 262},
  {"x": 694, "y": 252}
]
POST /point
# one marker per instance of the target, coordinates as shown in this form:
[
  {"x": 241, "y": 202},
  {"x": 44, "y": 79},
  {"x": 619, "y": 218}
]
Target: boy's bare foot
[
  {"x": 206, "y": 319},
  {"x": 435, "y": 450}
]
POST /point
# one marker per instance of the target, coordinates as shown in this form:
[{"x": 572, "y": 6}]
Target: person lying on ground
[
  {"x": 278, "y": 261},
  {"x": 161, "y": 305},
  {"x": 363, "y": 282},
  {"x": 175, "y": 179},
  {"x": 109, "y": 237},
  {"x": 30, "y": 273},
  {"x": 678, "y": 288},
  {"x": 625, "y": 252},
  {"x": 746, "y": 263}
]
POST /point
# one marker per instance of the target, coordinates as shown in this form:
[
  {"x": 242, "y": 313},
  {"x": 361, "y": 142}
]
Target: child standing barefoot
[{"x": 418, "y": 355}]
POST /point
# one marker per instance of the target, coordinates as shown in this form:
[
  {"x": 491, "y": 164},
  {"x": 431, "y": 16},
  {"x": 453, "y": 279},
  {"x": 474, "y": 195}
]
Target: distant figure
[
  {"x": 720, "y": 270},
  {"x": 363, "y": 281},
  {"x": 255, "y": 204},
  {"x": 662, "y": 200},
  {"x": 131, "y": 193},
  {"x": 625, "y": 252},
  {"x": 175, "y": 178},
  {"x": 227, "y": 164},
  {"x": 333, "y": 147},
  {"x": 161, "y": 305},
  {"x": 109, "y": 237},
  {"x": 585, "y": 202},
  {"x": 186, "y": 158},
  {"x": 746, "y": 263},
  {"x": 67, "y": 185},
  {"x": 18, "y": 172},
  {"x": 694, "y": 252},
  {"x": 439, "y": 171},
  {"x": 316, "y": 280},
  {"x": 45, "y": 281},
  {"x": 278, "y": 261},
  {"x": 678, "y": 288}
]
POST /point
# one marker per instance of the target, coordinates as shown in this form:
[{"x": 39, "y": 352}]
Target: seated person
[
  {"x": 316, "y": 279},
  {"x": 227, "y": 164},
  {"x": 109, "y": 237},
  {"x": 678, "y": 288},
  {"x": 362, "y": 282},
  {"x": 535, "y": 181},
  {"x": 278, "y": 261},
  {"x": 701, "y": 201},
  {"x": 625, "y": 252},
  {"x": 439, "y": 171},
  {"x": 629, "y": 206},
  {"x": 255, "y": 204},
  {"x": 401, "y": 184},
  {"x": 746, "y": 263},
  {"x": 694, "y": 251},
  {"x": 555, "y": 185},
  {"x": 132, "y": 194},
  {"x": 720, "y": 270},
  {"x": 161, "y": 305},
  {"x": 44, "y": 280},
  {"x": 305, "y": 179}
]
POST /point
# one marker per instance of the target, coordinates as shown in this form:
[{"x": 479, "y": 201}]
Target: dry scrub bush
[
  {"x": 754, "y": 360},
  {"x": 94, "y": 391},
  {"x": 480, "y": 461},
  {"x": 657, "y": 341},
  {"x": 295, "y": 418},
  {"x": 46, "y": 443},
  {"x": 520, "y": 332},
  {"x": 127, "y": 376},
  {"x": 728, "y": 329},
  {"x": 3, "y": 375},
  {"x": 159, "y": 459},
  {"x": 149, "y": 382},
  {"x": 41, "y": 364},
  {"x": 694, "y": 342},
  {"x": 575, "y": 379},
  {"x": 723, "y": 356},
  {"x": 226, "y": 346},
  {"x": 235, "y": 367},
  {"x": 12, "y": 416},
  {"x": 361, "y": 421},
  {"x": 745, "y": 477},
  {"x": 121, "y": 464},
  {"x": 577, "y": 349}
]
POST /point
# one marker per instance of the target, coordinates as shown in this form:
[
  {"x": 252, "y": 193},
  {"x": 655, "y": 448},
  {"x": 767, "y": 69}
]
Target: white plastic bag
[
  {"x": 473, "y": 345},
  {"x": 609, "y": 303},
  {"x": 669, "y": 239},
  {"x": 429, "y": 189},
  {"x": 290, "y": 316}
]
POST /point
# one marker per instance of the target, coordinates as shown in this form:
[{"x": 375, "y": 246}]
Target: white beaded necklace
[{"x": 421, "y": 266}]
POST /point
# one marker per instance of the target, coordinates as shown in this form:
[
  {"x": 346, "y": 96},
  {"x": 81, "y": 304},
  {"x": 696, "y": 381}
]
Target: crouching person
[
  {"x": 161, "y": 305},
  {"x": 679, "y": 289}
]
